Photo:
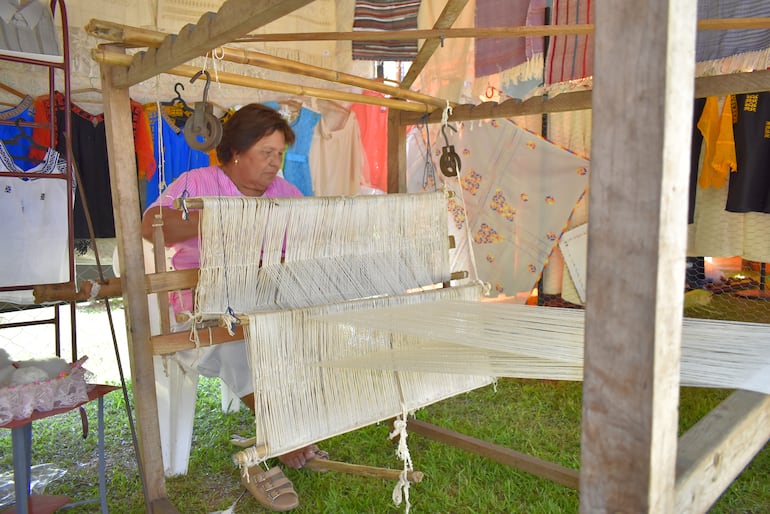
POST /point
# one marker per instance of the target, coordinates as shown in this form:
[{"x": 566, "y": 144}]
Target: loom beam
[
  {"x": 323, "y": 465},
  {"x": 544, "y": 469}
]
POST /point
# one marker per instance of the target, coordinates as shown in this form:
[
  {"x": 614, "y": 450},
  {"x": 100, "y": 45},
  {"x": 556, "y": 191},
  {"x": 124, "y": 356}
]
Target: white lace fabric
[{"x": 67, "y": 390}]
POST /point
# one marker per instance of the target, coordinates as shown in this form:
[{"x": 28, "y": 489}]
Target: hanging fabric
[
  {"x": 385, "y": 15},
  {"x": 17, "y": 139},
  {"x": 519, "y": 191},
  {"x": 373, "y": 124},
  {"x": 713, "y": 45},
  {"x": 571, "y": 56},
  {"x": 89, "y": 148},
  {"x": 296, "y": 166},
  {"x": 337, "y": 158},
  {"x": 35, "y": 243},
  {"x": 174, "y": 153},
  {"x": 749, "y": 189}
]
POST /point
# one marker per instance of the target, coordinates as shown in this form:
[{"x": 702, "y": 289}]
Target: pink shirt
[{"x": 208, "y": 181}]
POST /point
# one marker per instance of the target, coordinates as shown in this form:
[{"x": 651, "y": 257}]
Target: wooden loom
[{"x": 666, "y": 474}]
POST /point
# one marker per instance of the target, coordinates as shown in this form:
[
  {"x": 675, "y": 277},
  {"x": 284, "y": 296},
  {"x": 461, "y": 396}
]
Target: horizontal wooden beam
[
  {"x": 715, "y": 85},
  {"x": 548, "y": 470},
  {"x": 124, "y": 34},
  {"x": 184, "y": 70},
  {"x": 164, "y": 281},
  {"x": 165, "y": 344},
  {"x": 733, "y": 83},
  {"x": 575, "y": 101},
  {"x": 485, "y": 32},
  {"x": 234, "y": 19},
  {"x": 715, "y": 451}
]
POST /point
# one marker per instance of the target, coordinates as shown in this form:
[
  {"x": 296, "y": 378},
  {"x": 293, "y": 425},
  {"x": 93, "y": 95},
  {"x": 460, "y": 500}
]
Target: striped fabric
[
  {"x": 570, "y": 57},
  {"x": 385, "y": 15},
  {"x": 718, "y": 44},
  {"x": 496, "y": 54}
]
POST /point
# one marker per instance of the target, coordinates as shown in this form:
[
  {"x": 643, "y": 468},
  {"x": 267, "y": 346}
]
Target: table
[{"x": 21, "y": 440}]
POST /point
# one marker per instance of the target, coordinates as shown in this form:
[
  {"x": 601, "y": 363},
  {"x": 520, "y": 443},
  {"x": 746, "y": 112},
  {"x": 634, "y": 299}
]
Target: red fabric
[{"x": 373, "y": 123}]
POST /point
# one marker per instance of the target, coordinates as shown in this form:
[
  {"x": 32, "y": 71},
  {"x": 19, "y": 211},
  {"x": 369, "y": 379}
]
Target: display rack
[{"x": 53, "y": 64}]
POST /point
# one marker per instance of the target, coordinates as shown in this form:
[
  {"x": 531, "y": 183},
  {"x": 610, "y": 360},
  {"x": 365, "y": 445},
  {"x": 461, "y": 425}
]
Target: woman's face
[{"x": 253, "y": 171}]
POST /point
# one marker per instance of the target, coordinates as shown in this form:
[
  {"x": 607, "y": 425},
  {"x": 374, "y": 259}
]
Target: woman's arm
[{"x": 175, "y": 229}]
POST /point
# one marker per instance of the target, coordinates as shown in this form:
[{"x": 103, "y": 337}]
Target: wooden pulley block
[{"x": 203, "y": 130}]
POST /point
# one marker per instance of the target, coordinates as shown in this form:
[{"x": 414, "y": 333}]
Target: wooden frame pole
[
  {"x": 642, "y": 119},
  {"x": 125, "y": 195}
]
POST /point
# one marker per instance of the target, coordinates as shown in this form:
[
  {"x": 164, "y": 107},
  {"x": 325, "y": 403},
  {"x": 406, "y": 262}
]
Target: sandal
[{"x": 271, "y": 488}]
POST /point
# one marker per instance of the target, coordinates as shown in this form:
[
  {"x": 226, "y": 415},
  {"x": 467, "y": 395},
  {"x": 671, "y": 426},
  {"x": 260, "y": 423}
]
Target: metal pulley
[
  {"x": 203, "y": 130},
  {"x": 449, "y": 162}
]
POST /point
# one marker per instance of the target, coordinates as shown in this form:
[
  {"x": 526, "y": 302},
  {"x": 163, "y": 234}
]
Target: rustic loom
[
  {"x": 637, "y": 188},
  {"x": 278, "y": 263}
]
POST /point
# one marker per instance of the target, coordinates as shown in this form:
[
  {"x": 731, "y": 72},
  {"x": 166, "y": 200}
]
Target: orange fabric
[
  {"x": 717, "y": 129},
  {"x": 373, "y": 122}
]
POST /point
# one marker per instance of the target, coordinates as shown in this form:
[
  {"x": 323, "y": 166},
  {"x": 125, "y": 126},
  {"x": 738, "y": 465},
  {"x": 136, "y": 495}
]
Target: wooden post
[
  {"x": 642, "y": 118},
  {"x": 125, "y": 198},
  {"x": 396, "y": 153}
]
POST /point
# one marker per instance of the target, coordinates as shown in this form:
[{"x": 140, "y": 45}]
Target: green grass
[{"x": 539, "y": 418}]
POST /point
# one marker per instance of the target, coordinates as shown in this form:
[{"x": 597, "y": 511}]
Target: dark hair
[{"x": 248, "y": 125}]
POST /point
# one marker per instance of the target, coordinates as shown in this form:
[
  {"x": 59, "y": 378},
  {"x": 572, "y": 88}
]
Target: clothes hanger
[
  {"x": 290, "y": 108},
  {"x": 86, "y": 100},
  {"x": 177, "y": 108},
  {"x": 85, "y": 90}
]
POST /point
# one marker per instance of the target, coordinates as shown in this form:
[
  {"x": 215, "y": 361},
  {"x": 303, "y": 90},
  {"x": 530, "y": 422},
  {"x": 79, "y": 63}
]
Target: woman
[{"x": 251, "y": 151}]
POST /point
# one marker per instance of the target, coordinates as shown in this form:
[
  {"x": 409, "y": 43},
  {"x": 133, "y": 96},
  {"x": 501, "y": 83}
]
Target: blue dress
[
  {"x": 177, "y": 155},
  {"x": 296, "y": 167}
]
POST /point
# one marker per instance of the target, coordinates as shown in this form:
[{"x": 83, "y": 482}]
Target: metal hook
[
  {"x": 178, "y": 94},
  {"x": 208, "y": 82},
  {"x": 443, "y": 132}
]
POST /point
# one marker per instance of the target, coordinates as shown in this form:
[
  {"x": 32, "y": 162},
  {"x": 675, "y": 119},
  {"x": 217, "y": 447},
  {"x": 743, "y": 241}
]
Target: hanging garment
[
  {"x": 385, "y": 15},
  {"x": 373, "y": 123},
  {"x": 27, "y": 26},
  {"x": 519, "y": 191},
  {"x": 337, "y": 158},
  {"x": 89, "y": 149},
  {"x": 35, "y": 234},
  {"x": 296, "y": 167},
  {"x": 570, "y": 57},
  {"x": 749, "y": 188},
  {"x": 175, "y": 156},
  {"x": 717, "y": 129},
  {"x": 22, "y": 112}
]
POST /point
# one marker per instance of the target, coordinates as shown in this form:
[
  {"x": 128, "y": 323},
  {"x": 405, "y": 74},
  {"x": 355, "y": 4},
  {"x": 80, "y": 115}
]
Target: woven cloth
[
  {"x": 496, "y": 54},
  {"x": 385, "y": 15},
  {"x": 718, "y": 44},
  {"x": 570, "y": 57}
]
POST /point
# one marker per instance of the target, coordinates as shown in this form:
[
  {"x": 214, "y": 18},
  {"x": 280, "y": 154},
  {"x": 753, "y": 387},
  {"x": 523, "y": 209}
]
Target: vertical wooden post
[
  {"x": 125, "y": 198},
  {"x": 396, "y": 153},
  {"x": 643, "y": 93}
]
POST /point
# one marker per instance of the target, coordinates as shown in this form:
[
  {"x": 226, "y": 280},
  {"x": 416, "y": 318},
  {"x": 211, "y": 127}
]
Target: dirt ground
[{"x": 93, "y": 338}]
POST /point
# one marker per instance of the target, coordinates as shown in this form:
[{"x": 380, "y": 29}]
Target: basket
[{"x": 66, "y": 390}]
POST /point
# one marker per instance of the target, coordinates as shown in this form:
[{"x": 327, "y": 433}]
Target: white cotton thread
[{"x": 401, "y": 490}]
